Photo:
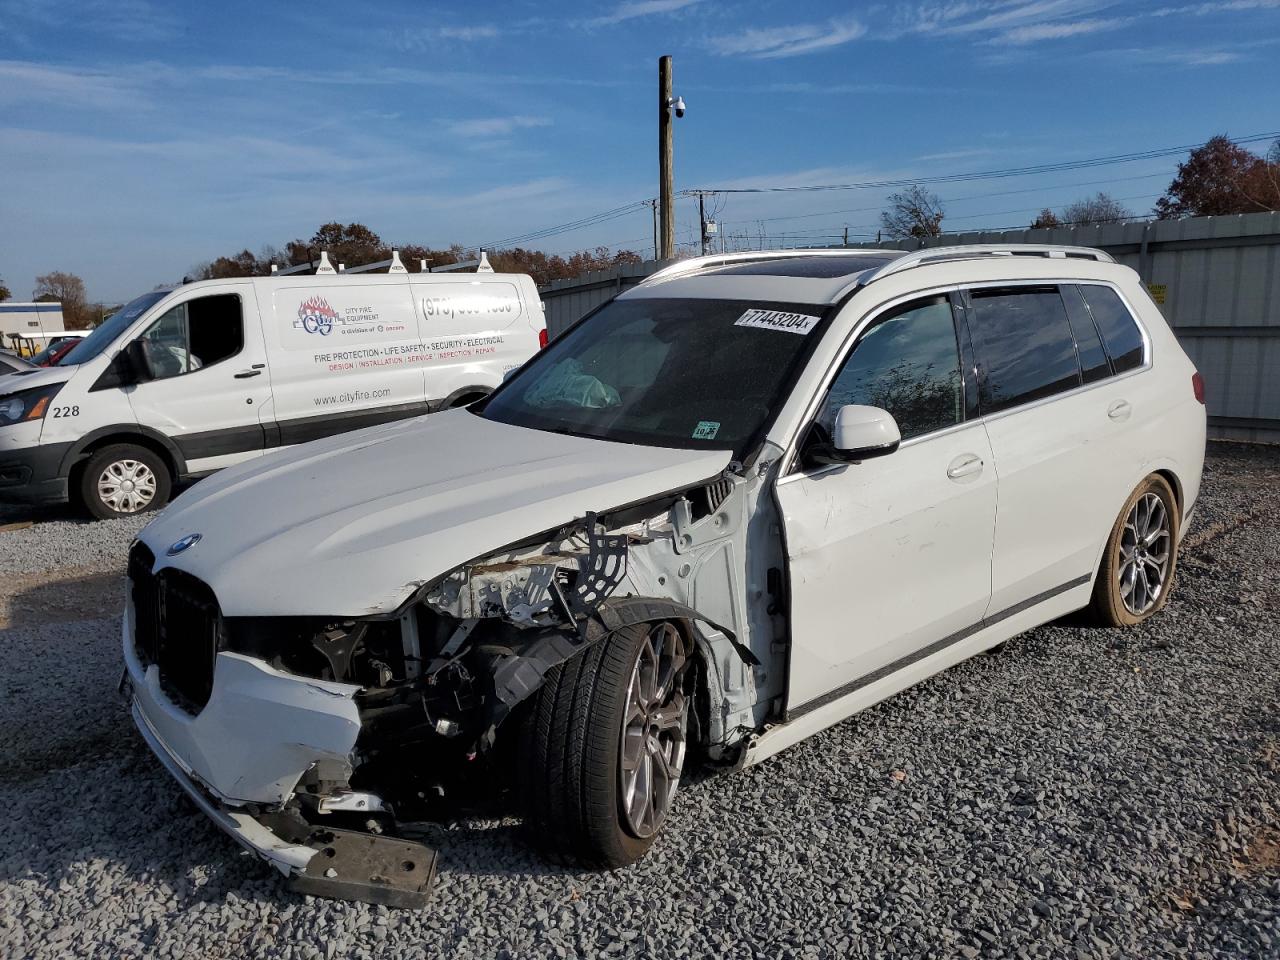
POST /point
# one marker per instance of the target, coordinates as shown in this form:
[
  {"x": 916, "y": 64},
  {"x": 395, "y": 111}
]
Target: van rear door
[
  {"x": 346, "y": 352},
  {"x": 211, "y": 387}
]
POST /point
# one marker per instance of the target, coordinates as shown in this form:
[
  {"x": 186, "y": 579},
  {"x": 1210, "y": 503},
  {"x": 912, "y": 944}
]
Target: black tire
[
  {"x": 569, "y": 775},
  {"x": 122, "y": 455},
  {"x": 1108, "y": 607}
]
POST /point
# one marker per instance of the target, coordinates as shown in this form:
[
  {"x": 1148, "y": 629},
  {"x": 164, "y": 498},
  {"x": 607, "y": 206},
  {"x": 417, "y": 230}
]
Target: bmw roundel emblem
[{"x": 186, "y": 543}]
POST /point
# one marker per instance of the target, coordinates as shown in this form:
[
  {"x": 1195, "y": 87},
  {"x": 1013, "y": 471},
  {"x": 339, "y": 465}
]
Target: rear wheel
[
  {"x": 604, "y": 747},
  {"x": 122, "y": 480},
  {"x": 1141, "y": 557}
]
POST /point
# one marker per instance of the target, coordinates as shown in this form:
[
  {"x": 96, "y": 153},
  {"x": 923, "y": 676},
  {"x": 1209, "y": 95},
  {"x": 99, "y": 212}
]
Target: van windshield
[
  {"x": 693, "y": 373},
  {"x": 111, "y": 328}
]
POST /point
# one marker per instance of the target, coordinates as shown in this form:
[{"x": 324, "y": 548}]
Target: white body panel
[{"x": 885, "y": 556}]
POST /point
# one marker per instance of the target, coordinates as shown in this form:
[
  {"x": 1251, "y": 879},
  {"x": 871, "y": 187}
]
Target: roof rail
[
  {"x": 977, "y": 251},
  {"x": 694, "y": 264}
]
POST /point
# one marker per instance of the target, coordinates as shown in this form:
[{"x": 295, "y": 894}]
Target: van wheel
[
  {"x": 604, "y": 746},
  {"x": 122, "y": 480},
  {"x": 1137, "y": 570}
]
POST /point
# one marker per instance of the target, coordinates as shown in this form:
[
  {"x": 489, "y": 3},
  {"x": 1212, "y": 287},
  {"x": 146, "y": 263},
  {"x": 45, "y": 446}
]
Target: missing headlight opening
[{"x": 444, "y": 687}]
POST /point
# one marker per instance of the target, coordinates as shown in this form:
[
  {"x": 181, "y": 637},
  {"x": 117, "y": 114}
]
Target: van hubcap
[
  {"x": 653, "y": 731},
  {"x": 127, "y": 486},
  {"x": 1146, "y": 549}
]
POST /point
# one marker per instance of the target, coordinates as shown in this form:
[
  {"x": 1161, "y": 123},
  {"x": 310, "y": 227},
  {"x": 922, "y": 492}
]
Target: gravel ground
[{"x": 1081, "y": 793}]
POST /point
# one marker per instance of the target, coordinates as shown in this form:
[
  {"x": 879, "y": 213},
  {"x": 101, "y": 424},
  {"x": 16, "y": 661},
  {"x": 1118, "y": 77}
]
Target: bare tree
[
  {"x": 67, "y": 289},
  {"x": 1046, "y": 220},
  {"x": 913, "y": 213},
  {"x": 1101, "y": 208}
]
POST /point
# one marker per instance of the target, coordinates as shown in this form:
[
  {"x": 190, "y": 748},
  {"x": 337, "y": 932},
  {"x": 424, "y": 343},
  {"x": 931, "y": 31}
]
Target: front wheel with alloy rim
[
  {"x": 1136, "y": 575},
  {"x": 604, "y": 746},
  {"x": 122, "y": 480}
]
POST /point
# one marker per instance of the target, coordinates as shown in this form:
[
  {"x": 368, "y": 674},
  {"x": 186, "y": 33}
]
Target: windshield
[
  {"x": 110, "y": 329},
  {"x": 702, "y": 374}
]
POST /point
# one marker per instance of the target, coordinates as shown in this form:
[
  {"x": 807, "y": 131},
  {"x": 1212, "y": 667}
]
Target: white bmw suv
[{"x": 744, "y": 500}]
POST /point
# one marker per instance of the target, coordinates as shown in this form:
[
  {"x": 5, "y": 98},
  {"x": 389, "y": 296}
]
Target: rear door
[
  {"x": 1050, "y": 404},
  {"x": 892, "y": 556},
  {"x": 211, "y": 379}
]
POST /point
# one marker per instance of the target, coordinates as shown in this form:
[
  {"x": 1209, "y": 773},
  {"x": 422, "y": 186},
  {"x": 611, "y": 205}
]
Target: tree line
[
  {"x": 1218, "y": 179},
  {"x": 354, "y": 245}
]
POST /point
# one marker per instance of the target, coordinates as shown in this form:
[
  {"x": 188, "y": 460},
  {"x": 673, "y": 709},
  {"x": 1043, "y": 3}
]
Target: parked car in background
[
  {"x": 12, "y": 363},
  {"x": 185, "y": 381},
  {"x": 744, "y": 500},
  {"x": 58, "y": 348}
]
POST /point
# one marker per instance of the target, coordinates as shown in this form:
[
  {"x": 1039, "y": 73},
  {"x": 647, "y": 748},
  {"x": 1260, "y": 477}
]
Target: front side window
[
  {"x": 907, "y": 363},
  {"x": 194, "y": 335},
  {"x": 694, "y": 373},
  {"x": 1025, "y": 345},
  {"x": 1116, "y": 324}
]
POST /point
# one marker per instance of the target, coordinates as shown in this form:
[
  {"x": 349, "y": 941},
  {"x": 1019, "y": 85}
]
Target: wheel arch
[
  {"x": 1166, "y": 471},
  {"x": 155, "y": 441},
  {"x": 469, "y": 394}
]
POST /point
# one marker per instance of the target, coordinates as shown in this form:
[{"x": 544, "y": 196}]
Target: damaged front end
[{"x": 324, "y": 743}]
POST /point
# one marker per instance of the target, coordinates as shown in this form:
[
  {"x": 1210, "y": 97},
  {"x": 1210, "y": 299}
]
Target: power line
[{"x": 984, "y": 175}]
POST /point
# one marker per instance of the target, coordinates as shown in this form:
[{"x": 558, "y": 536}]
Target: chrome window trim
[{"x": 789, "y": 470}]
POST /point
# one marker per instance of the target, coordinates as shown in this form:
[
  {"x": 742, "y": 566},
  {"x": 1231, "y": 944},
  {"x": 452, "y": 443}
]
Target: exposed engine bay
[{"x": 439, "y": 684}]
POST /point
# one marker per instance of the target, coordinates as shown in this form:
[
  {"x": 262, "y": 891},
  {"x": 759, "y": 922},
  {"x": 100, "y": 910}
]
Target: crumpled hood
[{"x": 353, "y": 524}]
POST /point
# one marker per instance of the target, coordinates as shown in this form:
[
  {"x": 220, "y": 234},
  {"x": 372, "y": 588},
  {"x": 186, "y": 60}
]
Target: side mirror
[
  {"x": 861, "y": 433},
  {"x": 138, "y": 362}
]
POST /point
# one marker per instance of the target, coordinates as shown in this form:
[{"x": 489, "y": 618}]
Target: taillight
[
  {"x": 1197, "y": 386},
  {"x": 542, "y": 342}
]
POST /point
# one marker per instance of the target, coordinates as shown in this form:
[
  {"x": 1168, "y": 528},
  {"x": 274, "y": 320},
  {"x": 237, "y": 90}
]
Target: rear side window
[
  {"x": 1025, "y": 344},
  {"x": 1094, "y": 365},
  {"x": 1116, "y": 324}
]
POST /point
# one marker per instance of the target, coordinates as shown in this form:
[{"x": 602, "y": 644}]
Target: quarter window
[
  {"x": 906, "y": 363},
  {"x": 1026, "y": 345},
  {"x": 1094, "y": 365},
  {"x": 195, "y": 334},
  {"x": 1116, "y": 324}
]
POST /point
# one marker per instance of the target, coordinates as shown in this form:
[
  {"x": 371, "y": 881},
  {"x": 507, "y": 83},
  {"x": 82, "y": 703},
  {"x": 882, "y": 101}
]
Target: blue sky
[{"x": 139, "y": 138}]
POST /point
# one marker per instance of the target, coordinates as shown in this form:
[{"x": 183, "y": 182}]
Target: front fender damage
[{"x": 442, "y": 678}]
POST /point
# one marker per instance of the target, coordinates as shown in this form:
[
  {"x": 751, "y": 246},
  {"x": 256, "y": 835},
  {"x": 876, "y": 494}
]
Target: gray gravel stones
[{"x": 1081, "y": 793}]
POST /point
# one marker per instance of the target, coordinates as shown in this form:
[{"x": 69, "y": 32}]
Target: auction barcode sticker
[{"x": 800, "y": 323}]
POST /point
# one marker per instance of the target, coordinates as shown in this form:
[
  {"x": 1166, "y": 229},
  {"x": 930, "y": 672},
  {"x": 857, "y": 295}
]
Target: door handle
[
  {"x": 965, "y": 465},
  {"x": 1120, "y": 410},
  {"x": 246, "y": 374}
]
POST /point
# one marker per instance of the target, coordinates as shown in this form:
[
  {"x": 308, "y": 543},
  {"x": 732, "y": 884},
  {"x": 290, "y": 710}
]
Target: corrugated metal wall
[{"x": 1216, "y": 279}]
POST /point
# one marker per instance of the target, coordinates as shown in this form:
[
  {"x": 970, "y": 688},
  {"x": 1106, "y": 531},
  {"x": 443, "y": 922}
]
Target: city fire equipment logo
[{"x": 317, "y": 316}]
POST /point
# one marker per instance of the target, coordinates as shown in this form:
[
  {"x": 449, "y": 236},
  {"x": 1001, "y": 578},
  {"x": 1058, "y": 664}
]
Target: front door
[
  {"x": 211, "y": 384},
  {"x": 891, "y": 555}
]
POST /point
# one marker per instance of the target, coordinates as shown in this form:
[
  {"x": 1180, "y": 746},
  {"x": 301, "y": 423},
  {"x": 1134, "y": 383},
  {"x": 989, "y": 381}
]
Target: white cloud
[
  {"x": 23, "y": 81},
  {"x": 1060, "y": 30},
  {"x": 634, "y": 9},
  {"x": 792, "y": 40},
  {"x": 484, "y": 128}
]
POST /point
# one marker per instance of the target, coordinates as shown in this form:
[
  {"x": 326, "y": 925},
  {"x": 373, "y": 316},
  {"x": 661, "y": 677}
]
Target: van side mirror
[
  {"x": 131, "y": 365},
  {"x": 138, "y": 362},
  {"x": 860, "y": 433}
]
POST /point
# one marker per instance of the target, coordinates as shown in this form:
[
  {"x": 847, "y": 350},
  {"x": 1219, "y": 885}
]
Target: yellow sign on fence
[{"x": 1159, "y": 292}]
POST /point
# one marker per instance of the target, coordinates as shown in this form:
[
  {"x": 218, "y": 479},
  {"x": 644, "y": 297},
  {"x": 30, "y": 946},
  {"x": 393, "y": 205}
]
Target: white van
[{"x": 182, "y": 382}]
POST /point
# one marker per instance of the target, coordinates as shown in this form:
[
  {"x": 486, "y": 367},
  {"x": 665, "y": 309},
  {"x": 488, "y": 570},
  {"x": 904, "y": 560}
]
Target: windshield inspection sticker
[
  {"x": 800, "y": 323},
  {"x": 706, "y": 430}
]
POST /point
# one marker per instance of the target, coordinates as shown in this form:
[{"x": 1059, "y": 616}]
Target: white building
[{"x": 31, "y": 322}]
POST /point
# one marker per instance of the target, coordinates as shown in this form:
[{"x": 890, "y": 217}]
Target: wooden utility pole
[{"x": 666, "y": 156}]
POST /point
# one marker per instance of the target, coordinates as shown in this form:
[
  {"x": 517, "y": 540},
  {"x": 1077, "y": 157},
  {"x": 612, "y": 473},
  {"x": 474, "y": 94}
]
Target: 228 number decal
[{"x": 65, "y": 412}]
